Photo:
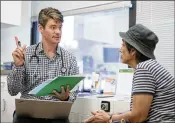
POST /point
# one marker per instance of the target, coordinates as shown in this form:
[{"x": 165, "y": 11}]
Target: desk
[{"x": 82, "y": 107}]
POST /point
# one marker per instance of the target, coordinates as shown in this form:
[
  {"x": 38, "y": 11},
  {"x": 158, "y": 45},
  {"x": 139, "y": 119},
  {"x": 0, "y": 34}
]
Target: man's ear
[
  {"x": 40, "y": 28},
  {"x": 133, "y": 52}
]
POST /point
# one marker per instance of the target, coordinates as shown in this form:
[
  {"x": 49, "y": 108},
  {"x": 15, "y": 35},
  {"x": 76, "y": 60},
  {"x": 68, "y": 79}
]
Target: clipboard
[
  {"x": 43, "y": 108},
  {"x": 46, "y": 87}
]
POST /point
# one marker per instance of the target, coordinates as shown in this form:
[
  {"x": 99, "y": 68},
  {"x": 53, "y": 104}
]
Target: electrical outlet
[{"x": 105, "y": 105}]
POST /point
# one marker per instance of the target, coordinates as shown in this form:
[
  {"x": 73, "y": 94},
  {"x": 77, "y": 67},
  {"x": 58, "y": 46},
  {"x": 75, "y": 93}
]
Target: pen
[{"x": 19, "y": 43}]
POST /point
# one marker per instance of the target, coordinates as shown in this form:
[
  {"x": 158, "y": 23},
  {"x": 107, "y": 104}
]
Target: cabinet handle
[
  {"x": 4, "y": 104},
  {"x": 2, "y": 84}
]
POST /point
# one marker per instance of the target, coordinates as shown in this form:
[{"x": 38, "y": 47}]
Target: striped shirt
[
  {"x": 25, "y": 78},
  {"x": 151, "y": 78}
]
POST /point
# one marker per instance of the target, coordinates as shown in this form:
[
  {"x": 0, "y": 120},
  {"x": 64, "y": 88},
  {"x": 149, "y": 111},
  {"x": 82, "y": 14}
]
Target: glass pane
[{"x": 94, "y": 39}]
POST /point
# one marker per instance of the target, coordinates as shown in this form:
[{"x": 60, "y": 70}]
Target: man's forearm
[
  {"x": 126, "y": 116},
  {"x": 15, "y": 79},
  {"x": 130, "y": 116}
]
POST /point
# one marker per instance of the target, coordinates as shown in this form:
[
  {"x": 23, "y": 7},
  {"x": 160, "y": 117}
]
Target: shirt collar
[{"x": 40, "y": 48}]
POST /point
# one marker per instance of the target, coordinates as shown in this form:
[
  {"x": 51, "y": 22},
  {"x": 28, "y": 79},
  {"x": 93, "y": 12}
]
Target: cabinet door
[
  {"x": 7, "y": 102},
  {"x": 11, "y": 8},
  {"x": 7, "y": 107}
]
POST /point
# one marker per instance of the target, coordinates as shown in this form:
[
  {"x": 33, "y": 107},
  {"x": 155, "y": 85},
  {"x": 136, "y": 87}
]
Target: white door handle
[
  {"x": 3, "y": 84},
  {"x": 4, "y": 103}
]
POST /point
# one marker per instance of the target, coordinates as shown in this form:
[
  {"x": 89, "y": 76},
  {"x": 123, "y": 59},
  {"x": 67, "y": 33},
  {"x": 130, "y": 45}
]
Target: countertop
[
  {"x": 5, "y": 72},
  {"x": 118, "y": 97}
]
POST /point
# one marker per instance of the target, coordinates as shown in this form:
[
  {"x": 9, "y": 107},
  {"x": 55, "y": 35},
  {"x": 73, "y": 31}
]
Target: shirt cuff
[{"x": 18, "y": 68}]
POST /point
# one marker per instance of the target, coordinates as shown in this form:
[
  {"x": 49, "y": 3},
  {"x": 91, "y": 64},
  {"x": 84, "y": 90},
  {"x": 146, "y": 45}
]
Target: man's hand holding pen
[{"x": 19, "y": 53}]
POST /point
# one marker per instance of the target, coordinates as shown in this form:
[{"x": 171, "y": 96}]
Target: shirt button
[{"x": 51, "y": 60}]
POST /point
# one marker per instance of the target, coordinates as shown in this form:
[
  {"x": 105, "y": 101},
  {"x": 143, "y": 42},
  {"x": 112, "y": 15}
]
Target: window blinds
[{"x": 159, "y": 17}]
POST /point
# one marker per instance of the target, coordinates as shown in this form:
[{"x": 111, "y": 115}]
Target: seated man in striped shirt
[
  {"x": 153, "y": 88},
  {"x": 42, "y": 61}
]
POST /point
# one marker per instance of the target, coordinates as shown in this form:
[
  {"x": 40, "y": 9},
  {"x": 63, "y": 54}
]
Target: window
[
  {"x": 159, "y": 17},
  {"x": 94, "y": 39}
]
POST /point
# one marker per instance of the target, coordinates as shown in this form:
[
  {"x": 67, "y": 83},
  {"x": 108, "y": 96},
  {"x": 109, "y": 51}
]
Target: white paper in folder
[{"x": 124, "y": 81}]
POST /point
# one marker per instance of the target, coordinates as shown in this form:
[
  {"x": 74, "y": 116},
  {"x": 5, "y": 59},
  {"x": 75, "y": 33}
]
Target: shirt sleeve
[
  {"x": 73, "y": 96},
  {"x": 15, "y": 80},
  {"x": 74, "y": 70},
  {"x": 143, "y": 82}
]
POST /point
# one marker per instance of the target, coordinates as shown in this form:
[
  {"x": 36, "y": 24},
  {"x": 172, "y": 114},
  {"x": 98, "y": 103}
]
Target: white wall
[
  {"x": 63, "y": 5},
  {"x": 22, "y": 32}
]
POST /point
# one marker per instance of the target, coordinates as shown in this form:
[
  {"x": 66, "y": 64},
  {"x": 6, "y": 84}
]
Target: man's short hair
[{"x": 49, "y": 13}]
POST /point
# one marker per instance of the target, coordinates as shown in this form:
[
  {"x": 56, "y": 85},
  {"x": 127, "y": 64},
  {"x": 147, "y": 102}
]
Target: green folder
[{"x": 47, "y": 87}]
